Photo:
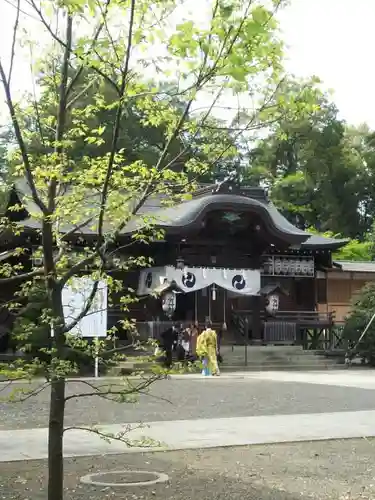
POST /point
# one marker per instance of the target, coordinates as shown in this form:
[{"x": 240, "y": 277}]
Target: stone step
[
  {"x": 270, "y": 353},
  {"x": 278, "y": 363},
  {"x": 128, "y": 367},
  {"x": 286, "y": 359},
  {"x": 277, "y": 357},
  {"x": 297, "y": 361},
  {"x": 282, "y": 359},
  {"x": 276, "y": 368},
  {"x": 262, "y": 348},
  {"x": 291, "y": 355}
]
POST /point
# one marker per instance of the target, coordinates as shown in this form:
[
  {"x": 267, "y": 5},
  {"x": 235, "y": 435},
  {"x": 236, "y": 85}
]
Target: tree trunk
[
  {"x": 55, "y": 440},
  {"x": 57, "y": 399},
  {"x": 57, "y": 408}
]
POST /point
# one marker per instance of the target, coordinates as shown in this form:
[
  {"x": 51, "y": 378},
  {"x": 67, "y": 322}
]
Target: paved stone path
[
  {"x": 31, "y": 443},
  {"x": 352, "y": 377},
  {"x": 361, "y": 379}
]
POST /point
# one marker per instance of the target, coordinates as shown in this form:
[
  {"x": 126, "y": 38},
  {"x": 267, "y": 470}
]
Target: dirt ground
[{"x": 334, "y": 470}]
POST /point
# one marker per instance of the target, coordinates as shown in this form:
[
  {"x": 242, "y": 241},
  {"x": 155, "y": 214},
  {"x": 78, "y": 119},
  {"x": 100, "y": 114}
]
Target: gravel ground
[
  {"x": 331, "y": 470},
  {"x": 191, "y": 399}
]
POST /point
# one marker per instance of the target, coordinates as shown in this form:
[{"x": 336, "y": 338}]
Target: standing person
[
  {"x": 194, "y": 334},
  {"x": 180, "y": 347},
  {"x": 185, "y": 342},
  {"x": 207, "y": 348},
  {"x": 219, "y": 340},
  {"x": 169, "y": 337},
  {"x": 201, "y": 351}
]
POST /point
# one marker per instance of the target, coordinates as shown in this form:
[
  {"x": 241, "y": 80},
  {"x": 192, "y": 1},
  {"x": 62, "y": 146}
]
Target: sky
[
  {"x": 335, "y": 39},
  {"x": 332, "y": 39}
]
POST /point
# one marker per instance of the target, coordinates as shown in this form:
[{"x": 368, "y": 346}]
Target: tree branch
[
  {"x": 81, "y": 93},
  {"x": 207, "y": 114},
  {"x": 32, "y": 393},
  {"x": 118, "y": 437},
  {"x": 35, "y": 102},
  {"x": 21, "y": 277},
  {"x": 103, "y": 23},
  {"x": 124, "y": 392},
  {"x": 15, "y": 28},
  {"x": 63, "y": 44},
  {"x": 117, "y": 124},
  {"x": 21, "y": 143},
  {"x": 75, "y": 269},
  {"x": 104, "y": 15},
  {"x": 84, "y": 311},
  {"x": 62, "y": 110},
  {"x": 77, "y": 227},
  {"x": 250, "y": 122}
]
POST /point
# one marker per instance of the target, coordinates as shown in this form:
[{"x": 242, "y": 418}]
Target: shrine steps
[
  {"x": 275, "y": 358},
  {"x": 285, "y": 367},
  {"x": 258, "y": 358}
]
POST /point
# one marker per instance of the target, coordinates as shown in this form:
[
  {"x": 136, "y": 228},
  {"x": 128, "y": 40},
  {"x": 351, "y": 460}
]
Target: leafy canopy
[{"x": 103, "y": 136}]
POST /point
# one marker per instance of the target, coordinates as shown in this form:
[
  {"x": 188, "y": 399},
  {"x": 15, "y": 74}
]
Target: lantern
[
  {"x": 180, "y": 263},
  {"x": 272, "y": 303},
  {"x": 168, "y": 303}
]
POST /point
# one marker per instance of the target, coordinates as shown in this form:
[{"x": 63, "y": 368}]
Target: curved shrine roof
[
  {"x": 253, "y": 199},
  {"x": 190, "y": 213}
]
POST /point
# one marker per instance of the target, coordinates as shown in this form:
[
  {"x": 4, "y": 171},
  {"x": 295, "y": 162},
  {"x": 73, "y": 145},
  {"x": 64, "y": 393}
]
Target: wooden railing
[
  {"x": 302, "y": 318},
  {"x": 312, "y": 329}
]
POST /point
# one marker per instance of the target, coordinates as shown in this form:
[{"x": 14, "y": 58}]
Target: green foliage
[
  {"x": 318, "y": 167},
  {"x": 356, "y": 250},
  {"x": 102, "y": 138},
  {"x": 362, "y": 311},
  {"x": 30, "y": 332}
]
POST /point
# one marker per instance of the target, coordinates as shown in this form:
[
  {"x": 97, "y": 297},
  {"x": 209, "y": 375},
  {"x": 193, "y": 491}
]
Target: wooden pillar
[
  {"x": 256, "y": 304},
  {"x": 256, "y": 323}
]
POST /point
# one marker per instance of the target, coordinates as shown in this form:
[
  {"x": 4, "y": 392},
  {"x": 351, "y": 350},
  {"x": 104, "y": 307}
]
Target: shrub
[{"x": 363, "y": 308}]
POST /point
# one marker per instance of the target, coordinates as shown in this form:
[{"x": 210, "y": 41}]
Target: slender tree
[{"x": 234, "y": 48}]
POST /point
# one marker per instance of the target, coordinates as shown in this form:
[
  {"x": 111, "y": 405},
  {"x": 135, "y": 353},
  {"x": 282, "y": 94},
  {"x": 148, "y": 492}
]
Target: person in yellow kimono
[{"x": 207, "y": 349}]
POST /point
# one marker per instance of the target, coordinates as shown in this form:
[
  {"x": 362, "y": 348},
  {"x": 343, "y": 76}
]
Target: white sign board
[{"x": 75, "y": 296}]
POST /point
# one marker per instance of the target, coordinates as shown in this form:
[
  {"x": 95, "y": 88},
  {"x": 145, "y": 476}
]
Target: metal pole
[
  {"x": 209, "y": 302},
  {"x": 365, "y": 330},
  {"x": 96, "y": 357},
  {"x": 196, "y": 306},
  {"x": 348, "y": 357},
  {"x": 246, "y": 338},
  {"x": 225, "y": 305}
]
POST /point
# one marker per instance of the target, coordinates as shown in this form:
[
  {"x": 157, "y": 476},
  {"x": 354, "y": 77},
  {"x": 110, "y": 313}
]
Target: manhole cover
[{"x": 125, "y": 478}]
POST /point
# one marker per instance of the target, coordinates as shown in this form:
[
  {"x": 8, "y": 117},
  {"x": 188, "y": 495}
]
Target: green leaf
[
  {"x": 238, "y": 73},
  {"x": 261, "y": 15}
]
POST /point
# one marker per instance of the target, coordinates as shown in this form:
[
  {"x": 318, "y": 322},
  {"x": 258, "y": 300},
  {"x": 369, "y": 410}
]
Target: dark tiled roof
[
  {"x": 187, "y": 213},
  {"x": 315, "y": 241},
  {"x": 271, "y": 288},
  {"x": 356, "y": 266}
]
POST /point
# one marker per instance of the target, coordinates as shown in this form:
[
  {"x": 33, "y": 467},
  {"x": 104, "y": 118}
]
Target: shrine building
[{"x": 227, "y": 255}]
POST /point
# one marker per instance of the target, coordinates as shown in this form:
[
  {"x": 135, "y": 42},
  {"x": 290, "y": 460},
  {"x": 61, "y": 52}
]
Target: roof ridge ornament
[
  {"x": 230, "y": 184},
  {"x": 233, "y": 183}
]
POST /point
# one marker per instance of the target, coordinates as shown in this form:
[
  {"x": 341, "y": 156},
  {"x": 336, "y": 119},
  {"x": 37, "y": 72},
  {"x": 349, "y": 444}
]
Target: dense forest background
[{"x": 319, "y": 170}]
